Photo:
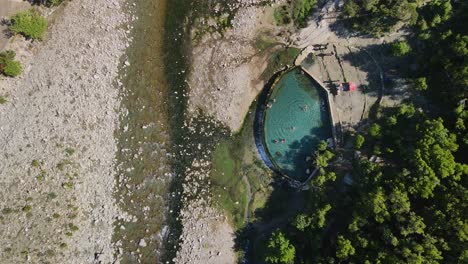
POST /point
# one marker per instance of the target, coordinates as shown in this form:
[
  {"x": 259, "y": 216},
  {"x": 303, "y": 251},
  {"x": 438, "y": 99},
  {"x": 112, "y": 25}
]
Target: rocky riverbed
[{"x": 57, "y": 139}]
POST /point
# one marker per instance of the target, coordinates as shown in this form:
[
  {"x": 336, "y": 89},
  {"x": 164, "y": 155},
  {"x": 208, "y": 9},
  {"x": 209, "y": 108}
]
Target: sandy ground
[{"x": 56, "y": 140}]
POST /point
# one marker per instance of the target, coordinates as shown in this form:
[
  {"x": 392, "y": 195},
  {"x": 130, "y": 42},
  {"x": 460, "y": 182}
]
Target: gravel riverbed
[{"x": 57, "y": 141}]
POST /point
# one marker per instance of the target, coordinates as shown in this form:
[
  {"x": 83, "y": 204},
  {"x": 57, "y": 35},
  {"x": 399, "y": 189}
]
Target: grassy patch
[
  {"x": 233, "y": 159},
  {"x": 42, "y": 175},
  {"x": 280, "y": 59},
  {"x": 35, "y": 163},
  {"x": 27, "y": 208},
  {"x": 263, "y": 43},
  {"x": 3, "y": 100},
  {"x": 228, "y": 187}
]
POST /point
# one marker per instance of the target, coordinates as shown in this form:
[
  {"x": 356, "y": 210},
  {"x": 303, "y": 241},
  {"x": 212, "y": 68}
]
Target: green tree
[
  {"x": 374, "y": 131},
  {"x": 301, "y": 222},
  {"x": 344, "y": 248},
  {"x": 279, "y": 249},
  {"x": 30, "y": 24},
  {"x": 302, "y": 9},
  {"x": 358, "y": 141},
  {"x": 400, "y": 48},
  {"x": 420, "y": 84}
]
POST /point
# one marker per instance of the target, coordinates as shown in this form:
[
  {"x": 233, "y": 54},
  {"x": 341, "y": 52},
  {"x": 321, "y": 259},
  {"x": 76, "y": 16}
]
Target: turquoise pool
[{"x": 296, "y": 118}]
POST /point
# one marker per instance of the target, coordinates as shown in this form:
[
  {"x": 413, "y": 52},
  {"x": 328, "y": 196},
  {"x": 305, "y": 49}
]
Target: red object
[{"x": 352, "y": 86}]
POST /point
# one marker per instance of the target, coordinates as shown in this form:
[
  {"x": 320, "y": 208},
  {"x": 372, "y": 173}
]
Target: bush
[
  {"x": 12, "y": 68},
  {"x": 29, "y": 24},
  {"x": 400, "y": 48},
  {"x": 8, "y": 66},
  {"x": 281, "y": 15},
  {"x": 54, "y": 2}
]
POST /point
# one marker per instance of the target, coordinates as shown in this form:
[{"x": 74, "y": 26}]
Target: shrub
[
  {"x": 400, "y": 48},
  {"x": 8, "y": 66},
  {"x": 30, "y": 24},
  {"x": 12, "y": 68},
  {"x": 281, "y": 15},
  {"x": 2, "y": 100},
  {"x": 54, "y": 2}
]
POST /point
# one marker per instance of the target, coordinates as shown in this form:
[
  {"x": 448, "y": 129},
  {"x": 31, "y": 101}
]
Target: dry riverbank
[
  {"x": 226, "y": 70},
  {"x": 57, "y": 139}
]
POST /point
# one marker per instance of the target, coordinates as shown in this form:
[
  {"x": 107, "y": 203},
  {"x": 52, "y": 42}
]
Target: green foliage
[
  {"x": 279, "y": 60},
  {"x": 400, "y": 48},
  {"x": 301, "y": 9},
  {"x": 442, "y": 51},
  {"x": 321, "y": 159},
  {"x": 420, "y": 84},
  {"x": 8, "y": 66},
  {"x": 359, "y": 141},
  {"x": 3, "y": 100},
  {"x": 35, "y": 163},
  {"x": 54, "y": 2},
  {"x": 301, "y": 222},
  {"x": 374, "y": 131},
  {"x": 12, "y": 68},
  {"x": 379, "y": 16},
  {"x": 27, "y": 208},
  {"x": 279, "y": 249},
  {"x": 281, "y": 15},
  {"x": 30, "y": 24},
  {"x": 322, "y": 146},
  {"x": 344, "y": 249}
]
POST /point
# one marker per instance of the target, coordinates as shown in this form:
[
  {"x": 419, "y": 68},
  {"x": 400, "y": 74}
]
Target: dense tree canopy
[
  {"x": 280, "y": 249},
  {"x": 410, "y": 208},
  {"x": 405, "y": 200},
  {"x": 379, "y": 16}
]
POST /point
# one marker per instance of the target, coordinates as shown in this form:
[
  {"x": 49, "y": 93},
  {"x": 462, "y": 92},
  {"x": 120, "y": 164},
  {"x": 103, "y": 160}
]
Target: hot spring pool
[{"x": 296, "y": 118}]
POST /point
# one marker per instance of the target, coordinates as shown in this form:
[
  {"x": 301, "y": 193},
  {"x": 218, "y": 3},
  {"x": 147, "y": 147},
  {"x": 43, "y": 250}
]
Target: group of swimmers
[{"x": 281, "y": 140}]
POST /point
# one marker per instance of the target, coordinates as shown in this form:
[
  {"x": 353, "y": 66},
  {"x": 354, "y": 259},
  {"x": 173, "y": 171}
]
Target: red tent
[{"x": 352, "y": 86}]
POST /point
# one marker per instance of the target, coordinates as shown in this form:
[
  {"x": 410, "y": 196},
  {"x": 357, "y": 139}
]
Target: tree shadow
[
  {"x": 283, "y": 203},
  {"x": 362, "y": 59}
]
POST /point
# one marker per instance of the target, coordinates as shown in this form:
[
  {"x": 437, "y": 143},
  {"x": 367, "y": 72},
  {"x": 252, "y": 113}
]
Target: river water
[{"x": 155, "y": 143}]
